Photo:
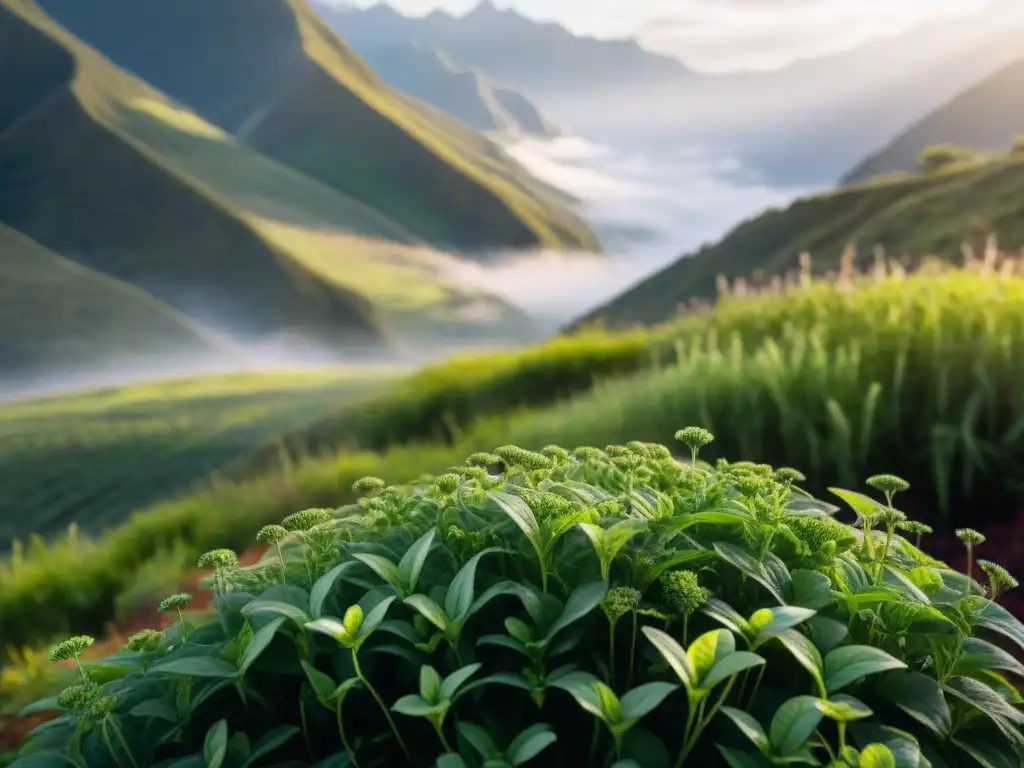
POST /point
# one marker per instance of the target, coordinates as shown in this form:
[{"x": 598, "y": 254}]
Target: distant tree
[
  {"x": 1017, "y": 150},
  {"x": 939, "y": 156}
]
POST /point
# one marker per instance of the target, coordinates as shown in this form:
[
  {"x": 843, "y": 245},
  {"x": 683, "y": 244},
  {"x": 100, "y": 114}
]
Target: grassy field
[
  {"x": 918, "y": 375},
  {"x": 914, "y": 216},
  {"x": 89, "y": 460},
  {"x": 296, "y": 93}
]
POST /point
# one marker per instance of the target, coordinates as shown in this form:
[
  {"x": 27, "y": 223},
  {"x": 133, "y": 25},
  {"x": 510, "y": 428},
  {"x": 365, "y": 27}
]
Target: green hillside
[
  {"x": 92, "y": 458},
  {"x": 52, "y": 309},
  {"x": 917, "y": 216},
  {"x": 271, "y": 72},
  {"x": 98, "y": 166},
  {"x": 985, "y": 118}
]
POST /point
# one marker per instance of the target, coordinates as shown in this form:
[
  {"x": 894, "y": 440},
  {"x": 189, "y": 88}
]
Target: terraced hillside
[
  {"x": 100, "y": 167},
  {"x": 271, "y": 72},
  {"x": 985, "y": 118},
  {"x": 92, "y": 458},
  {"x": 921, "y": 216},
  {"x": 54, "y": 309}
]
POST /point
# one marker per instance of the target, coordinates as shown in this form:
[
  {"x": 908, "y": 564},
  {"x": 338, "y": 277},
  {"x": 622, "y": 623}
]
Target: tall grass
[{"x": 920, "y": 375}]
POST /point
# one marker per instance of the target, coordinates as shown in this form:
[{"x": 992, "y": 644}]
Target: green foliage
[
  {"x": 485, "y": 626},
  {"x": 1017, "y": 148},
  {"x": 92, "y": 459},
  {"x": 938, "y": 157}
]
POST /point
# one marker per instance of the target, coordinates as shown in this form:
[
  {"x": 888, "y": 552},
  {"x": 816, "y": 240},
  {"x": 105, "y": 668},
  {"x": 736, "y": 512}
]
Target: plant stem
[
  {"x": 842, "y": 737},
  {"x": 120, "y": 738},
  {"x": 440, "y": 735},
  {"x": 611, "y": 652},
  {"x": 344, "y": 739},
  {"x": 181, "y": 618},
  {"x": 81, "y": 670},
  {"x": 970, "y": 567},
  {"x": 380, "y": 703},
  {"x": 284, "y": 571},
  {"x": 593, "y": 742},
  {"x": 632, "y": 655},
  {"x": 686, "y": 623},
  {"x": 757, "y": 684},
  {"x": 691, "y": 713}
]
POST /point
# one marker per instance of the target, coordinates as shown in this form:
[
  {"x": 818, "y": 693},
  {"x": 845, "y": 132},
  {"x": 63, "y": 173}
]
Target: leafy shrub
[
  {"x": 940, "y": 156},
  {"x": 1017, "y": 148},
  {"x": 595, "y": 607}
]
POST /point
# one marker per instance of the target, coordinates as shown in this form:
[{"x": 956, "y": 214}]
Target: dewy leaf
[
  {"x": 852, "y": 662},
  {"x": 582, "y": 601},
  {"x": 215, "y": 746},
  {"x": 642, "y": 699},
  {"x": 460, "y": 592},
  {"x": 921, "y": 697},
  {"x": 742, "y": 560},
  {"x": 530, "y": 743},
  {"x": 793, "y": 724},
  {"x": 411, "y": 564},
  {"x": 749, "y": 727},
  {"x": 674, "y": 654},
  {"x": 196, "y": 666},
  {"x": 259, "y": 643}
]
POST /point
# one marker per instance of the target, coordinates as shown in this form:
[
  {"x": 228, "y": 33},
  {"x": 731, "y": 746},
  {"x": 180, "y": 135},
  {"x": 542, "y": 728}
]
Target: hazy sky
[{"x": 727, "y": 34}]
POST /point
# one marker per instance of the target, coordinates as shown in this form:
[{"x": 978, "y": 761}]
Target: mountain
[
  {"x": 54, "y": 309},
  {"x": 99, "y": 167},
  {"x": 913, "y": 216},
  {"x": 986, "y": 117},
  {"x": 814, "y": 119},
  {"x": 271, "y": 73},
  {"x": 425, "y": 73}
]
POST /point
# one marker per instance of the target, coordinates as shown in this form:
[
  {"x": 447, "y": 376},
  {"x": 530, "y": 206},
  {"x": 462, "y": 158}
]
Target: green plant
[{"x": 814, "y": 642}]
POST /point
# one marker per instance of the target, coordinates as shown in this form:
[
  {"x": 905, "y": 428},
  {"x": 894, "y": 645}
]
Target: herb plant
[{"x": 615, "y": 607}]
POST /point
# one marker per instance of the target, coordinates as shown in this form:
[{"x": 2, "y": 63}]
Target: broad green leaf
[
  {"x": 259, "y": 643},
  {"x": 707, "y": 649},
  {"x": 460, "y": 592},
  {"x": 215, "y": 746},
  {"x": 749, "y": 727},
  {"x": 583, "y": 687},
  {"x": 674, "y": 654},
  {"x": 984, "y": 699},
  {"x": 921, "y": 697},
  {"x": 157, "y": 708},
  {"x": 769, "y": 622},
  {"x": 451, "y": 761},
  {"x": 852, "y": 662},
  {"x": 582, "y": 601},
  {"x": 876, "y": 756},
  {"x": 844, "y": 709},
  {"x": 383, "y": 567},
  {"x": 980, "y": 656},
  {"x": 530, "y": 743},
  {"x": 645, "y": 748},
  {"x": 261, "y": 605},
  {"x": 333, "y": 628},
  {"x": 323, "y": 586},
  {"x": 728, "y": 667},
  {"x": 48, "y": 704},
  {"x": 996, "y": 618},
  {"x": 269, "y": 742},
  {"x": 46, "y": 759},
  {"x": 323, "y": 685},
  {"x": 734, "y": 758},
  {"x": 793, "y": 724},
  {"x": 811, "y": 589},
  {"x": 806, "y": 654},
  {"x": 496, "y": 590},
  {"x": 512, "y": 679},
  {"x": 415, "y": 705},
  {"x": 743, "y": 561},
  {"x": 374, "y": 617},
  {"x": 196, "y": 666},
  {"x": 904, "y": 746},
  {"x": 724, "y": 613},
  {"x": 430, "y": 683},
  {"x": 827, "y": 633},
  {"x": 456, "y": 679},
  {"x": 430, "y": 610},
  {"x": 411, "y": 564},
  {"x": 616, "y": 536},
  {"x": 987, "y": 754},
  {"x": 478, "y": 738},
  {"x": 644, "y": 698},
  {"x": 863, "y": 505},
  {"x": 519, "y": 512}
]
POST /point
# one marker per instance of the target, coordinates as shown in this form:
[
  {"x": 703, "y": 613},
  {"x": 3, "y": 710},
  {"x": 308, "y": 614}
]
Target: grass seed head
[
  {"x": 556, "y": 453},
  {"x": 218, "y": 558},
  {"x": 366, "y": 485},
  {"x": 271, "y": 533},
  {"x": 145, "y": 640},
  {"x": 307, "y": 519},
  {"x": 177, "y": 601},
  {"x": 683, "y": 592},
  {"x": 103, "y": 706},
  {"x": 694, "y": 438},
  {"x": 77, "y": 697},
  {"x": 970, "y": 536},
  {"x": 445, "y": 485},
  {"x": 514, "y": 456},
  {"x": 483, "y": 459},
  {"x": 999, "y": 576},
  {"x": 888, "y": 484},
  {"x": 789, "y": 475},
  {"x": 619, "y": 601}
]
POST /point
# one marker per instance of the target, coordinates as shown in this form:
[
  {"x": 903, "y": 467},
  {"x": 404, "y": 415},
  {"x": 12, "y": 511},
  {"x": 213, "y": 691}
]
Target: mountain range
[
  {"x": 240, "y": 171},
  {"x": 815, "y": 119}
]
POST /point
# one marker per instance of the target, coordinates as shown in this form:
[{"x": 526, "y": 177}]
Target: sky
[{"x": 726, "y": 35}]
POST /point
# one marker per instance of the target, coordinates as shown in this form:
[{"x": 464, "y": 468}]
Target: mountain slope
[
  {"x": 99, "y": 167},
  {"x": 912, "y": 216},
  {"x": 985, "y": 117},
  {"x": 52, "y": 309},
  {"x": 271, "y": 72}
]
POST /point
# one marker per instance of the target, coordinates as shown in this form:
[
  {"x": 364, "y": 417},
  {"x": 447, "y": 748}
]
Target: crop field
[{"x": 89, "y": 460}]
